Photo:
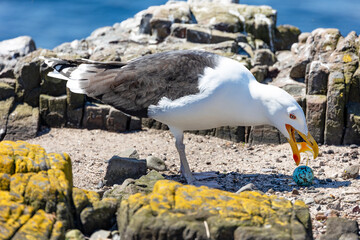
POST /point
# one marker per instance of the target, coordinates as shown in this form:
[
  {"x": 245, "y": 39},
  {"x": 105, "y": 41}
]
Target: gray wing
[{"x": 144, "y": 81}]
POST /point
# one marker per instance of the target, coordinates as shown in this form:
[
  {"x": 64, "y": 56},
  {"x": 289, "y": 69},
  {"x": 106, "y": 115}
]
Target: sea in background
[{"x": 51, "y": 23}]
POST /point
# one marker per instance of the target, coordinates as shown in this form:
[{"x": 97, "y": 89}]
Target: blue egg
[{"x": 303, "y": 176}]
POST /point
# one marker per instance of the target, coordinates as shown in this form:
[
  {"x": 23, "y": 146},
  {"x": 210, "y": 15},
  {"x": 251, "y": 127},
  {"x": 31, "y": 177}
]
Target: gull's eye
[{"x": 292, "y": 116}]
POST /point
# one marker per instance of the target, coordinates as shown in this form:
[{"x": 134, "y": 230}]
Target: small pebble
[
  {"x": 330, "y": 151},
  {"x": 320, "y": 216},
  {"x": 353, "y": 146},
  {"x": 309, "y": 201},
  {"x": 270, "y": 190},
  {"x": 351, "y": 172},
  {"x": 295, "y": 192}
]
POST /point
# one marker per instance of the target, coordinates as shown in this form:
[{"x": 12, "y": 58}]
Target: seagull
[{"x": 188, "y": 90}]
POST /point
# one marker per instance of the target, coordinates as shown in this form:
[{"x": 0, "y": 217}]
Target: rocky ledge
[
  {"x": 320, "y": 69},
  {"x": 39, "y": 202}
]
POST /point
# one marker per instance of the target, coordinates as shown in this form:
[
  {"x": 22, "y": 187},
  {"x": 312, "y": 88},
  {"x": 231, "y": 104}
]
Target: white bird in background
[{"x": 188, "y": 90}]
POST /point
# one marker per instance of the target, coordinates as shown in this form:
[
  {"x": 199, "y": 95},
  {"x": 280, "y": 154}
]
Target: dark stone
[
  {"x": 235, "y": 134},
  {"x": 144, "y": 184},
  {"x": 135, "y": 124},
  {"x": 28, "y": 81},
  {"x": 101, "y": 215},
  {"x": 260, "y": 72},
  {"x": 74, "y": 117},
  {"x": 286, "y": 36},
  {"x": 334, "y": 123},
  {"x": 264, "y": 134},
  {"x": 155, "y": 163},
  {"x": 204, "y": 35},
  {"x": 352, "y": 131},
  {"x": 354, "y": 87},
  {"x": 7, "y": 88},
  {"x": 160, "y": 28},
  {"x": 5, "y": 108},
  {"x": 51, "y": 86},
  {"x": 298, "y": 69},
  {"x": 264, "y": 57},
  {"x": 116, "y": 121},
  {"x": 95, "y": 115},
  {"x": 145, "y": 27},
  {"x": 336, "y": 227},
  {"x": 120, "y": 169},
  {"x": 316, "y": 78},
  {"x": 53, "y": 110},
  {"x": 315, "y": 116},
  {"x": 23, "y": 123},
  {"x": 178, "y": 30}
]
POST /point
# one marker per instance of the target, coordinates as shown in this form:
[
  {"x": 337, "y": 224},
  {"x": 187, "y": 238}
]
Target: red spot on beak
[{"x": 296, "y": 159}]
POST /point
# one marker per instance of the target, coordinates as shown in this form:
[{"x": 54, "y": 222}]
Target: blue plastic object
[{"x": 303, "y": 176}]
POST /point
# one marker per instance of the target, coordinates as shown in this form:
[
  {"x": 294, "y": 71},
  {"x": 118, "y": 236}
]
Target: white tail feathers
[{"x": 84, "y": 77}]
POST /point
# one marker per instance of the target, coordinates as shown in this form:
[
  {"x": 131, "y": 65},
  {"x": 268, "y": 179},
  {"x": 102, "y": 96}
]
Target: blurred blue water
[{"x": 51, "y": 23}]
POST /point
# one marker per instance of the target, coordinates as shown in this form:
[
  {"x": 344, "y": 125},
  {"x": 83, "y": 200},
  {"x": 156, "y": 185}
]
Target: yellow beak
[{"x": 309, "y": 145}]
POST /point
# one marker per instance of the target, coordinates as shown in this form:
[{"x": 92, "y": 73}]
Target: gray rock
[
  {"x": 349, "y": 236},
  {"x": 144, "y": 184},
  {"x": 352, "y": 131},
  {"x": 354, "y": 87},
  {"x": 235, "y": 134},
  {"x": 23, "y": 123},
  {"x": 101, "y": 215},
  {"x": 309, "y": 201},
  {"x": 260, "y": 72},
  {"x": 27, "y": 73},
  {"x": 116, "y": 121},
  {"x": 298, "y": 70},
  {"x": 264, "y": 57},
  {"x": 334, "y": 122},
  {"x": 129, "y": 153},
  {"x": 95, "y": 115},
  {"x": 315, "y": 116},
  {"x": 120, "y": 168},
  {"x": 12, "y": 49},
  {"x": 316, "y": 78},
  {"x": 135, "y": 124},
  {"x": 100, "y": 235},
  {"x": 53, "y": 110},
  {"x": 155, "y": 163},
  {"x": 285, "y": 36},
  {"x": 51, "y": 86},
  {"x": 197, "y": 34},
  {"x": 264, "y": 134},
  {"x": 7, "y": 88},
  {"x": 351, "y": 172},
  {"x": 5, "y": 107},
  {"x": 338, "y": 227},
  {"x": 74, "y": 234}
]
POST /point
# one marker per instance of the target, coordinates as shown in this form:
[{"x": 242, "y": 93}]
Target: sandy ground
[{"x": 268, "y": 167}]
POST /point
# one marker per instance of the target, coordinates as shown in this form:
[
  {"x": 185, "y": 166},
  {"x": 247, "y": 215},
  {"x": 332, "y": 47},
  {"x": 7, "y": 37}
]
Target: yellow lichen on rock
[
  {"x": 12, "y": 216},
  {"x": 4, "y": 181},
  {"x": 38, "y": 227},
  {"x": 189, "y": 207},
  {"x": 33, "y": 187}
]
